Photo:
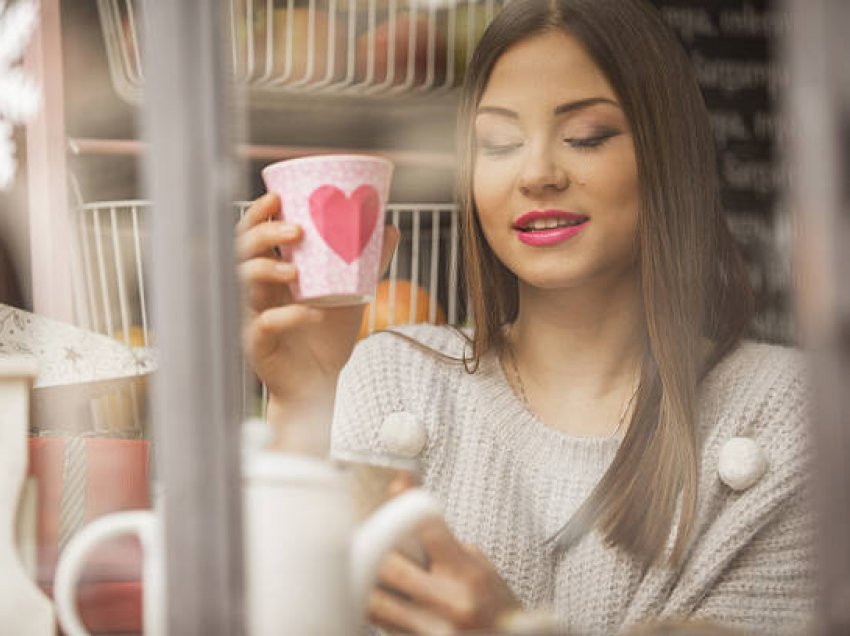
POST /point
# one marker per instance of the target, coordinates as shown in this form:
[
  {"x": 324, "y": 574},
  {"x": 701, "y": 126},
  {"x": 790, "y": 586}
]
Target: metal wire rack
[
  {"x": 361, "y": 48},
  {"x": 111, "y": 268}
]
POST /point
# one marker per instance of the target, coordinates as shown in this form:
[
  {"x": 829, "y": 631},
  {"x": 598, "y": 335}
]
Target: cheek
[
  {"x": 488, "y": 190},
  {"x": 612, "y": 183}
]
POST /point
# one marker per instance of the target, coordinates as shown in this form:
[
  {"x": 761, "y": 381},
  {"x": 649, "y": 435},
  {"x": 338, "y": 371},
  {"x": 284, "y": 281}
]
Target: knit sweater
[{"x": 508, "y": 482}]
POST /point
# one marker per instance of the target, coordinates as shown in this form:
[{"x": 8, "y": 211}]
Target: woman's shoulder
[
  {"x": 757, "y": 375},
  {"x": 404, "y": 377},
  {"x": 406, "y": 358},
  {"x": 760, "y": 392},
  {"x": 436, "y": 342},
  {"x": 753, "y": 354}
]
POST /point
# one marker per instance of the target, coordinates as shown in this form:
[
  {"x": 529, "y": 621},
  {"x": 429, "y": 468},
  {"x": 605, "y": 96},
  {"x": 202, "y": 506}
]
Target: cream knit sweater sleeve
[{"x": 764, "y": 579}]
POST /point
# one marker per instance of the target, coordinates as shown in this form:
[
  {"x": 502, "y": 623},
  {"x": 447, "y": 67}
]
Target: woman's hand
[
  {"x": 461, "y": 589},
  {"x": 296, "y": 350}
]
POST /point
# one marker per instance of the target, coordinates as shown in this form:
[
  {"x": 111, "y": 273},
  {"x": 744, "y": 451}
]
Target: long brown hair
[{"x": 693, "y": 282}]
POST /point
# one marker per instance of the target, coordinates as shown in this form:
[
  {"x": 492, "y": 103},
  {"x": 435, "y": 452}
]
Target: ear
[{"x": 391, "y": 238}]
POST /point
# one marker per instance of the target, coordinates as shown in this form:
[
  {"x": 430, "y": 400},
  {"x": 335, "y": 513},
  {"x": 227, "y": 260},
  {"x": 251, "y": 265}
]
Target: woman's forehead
[{"x": 552, "y": 66}]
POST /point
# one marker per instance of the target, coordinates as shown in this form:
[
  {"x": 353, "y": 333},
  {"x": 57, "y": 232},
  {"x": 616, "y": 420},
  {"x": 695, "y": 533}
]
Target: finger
[
  {"x": 399, "y": 573},
  {"x": 392, "y": 613},
  {"x": 262, "y": 209},
  {"x": 261, "y": 240},
  {"x": 475, "y": 552},
  {"x": 267, "y": 270},
  {"x": 446, "y": 596},
  {"x": 403, "y": 480},
  {"x": 260, "y": 297},
  {"x": 261, "y": 331},
  {"x": 287, "y": 317},
  {"x": 266, "y": 283},
  {"x": 480, "y": 557},
  {"x": 439, "y": 542},
  {"x": 391, "y": 238}
]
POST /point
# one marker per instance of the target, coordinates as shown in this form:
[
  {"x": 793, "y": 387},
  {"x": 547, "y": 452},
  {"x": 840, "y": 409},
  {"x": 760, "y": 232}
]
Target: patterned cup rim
[{"x": 324, "y": 158}]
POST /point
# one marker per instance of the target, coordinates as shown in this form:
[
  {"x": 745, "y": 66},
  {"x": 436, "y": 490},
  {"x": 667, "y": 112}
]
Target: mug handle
[
  {"x": 383, "y": 531},
  {"x": 73, "y": 558}
]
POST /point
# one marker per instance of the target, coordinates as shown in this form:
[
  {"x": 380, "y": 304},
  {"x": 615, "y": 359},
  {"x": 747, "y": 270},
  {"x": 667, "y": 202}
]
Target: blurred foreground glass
[{"x": 310, "y": 566}]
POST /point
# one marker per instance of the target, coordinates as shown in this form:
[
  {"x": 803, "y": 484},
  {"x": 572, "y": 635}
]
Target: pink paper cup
[{"x": 339, "y": 202}]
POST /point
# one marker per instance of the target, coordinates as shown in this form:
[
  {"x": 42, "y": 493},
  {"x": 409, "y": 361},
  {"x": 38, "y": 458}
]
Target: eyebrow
[{"x": 559, "y": 110}]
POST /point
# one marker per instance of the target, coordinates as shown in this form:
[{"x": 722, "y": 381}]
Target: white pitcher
[
  {"x": 309, "y": 566},
  {"x": 24, "y": 609}
]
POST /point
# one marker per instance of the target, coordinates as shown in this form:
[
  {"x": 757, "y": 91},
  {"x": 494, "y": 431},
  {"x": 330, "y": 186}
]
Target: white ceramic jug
[
  {"x": 24, "y": 609},
  {"x": 309, "y": 565}
]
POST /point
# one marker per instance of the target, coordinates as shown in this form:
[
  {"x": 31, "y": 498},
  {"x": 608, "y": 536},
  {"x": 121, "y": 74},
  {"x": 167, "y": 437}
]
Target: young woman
[{"x": 581, "y": 437}]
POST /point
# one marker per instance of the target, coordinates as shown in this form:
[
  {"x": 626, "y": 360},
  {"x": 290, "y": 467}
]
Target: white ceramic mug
[
  {"x": 309, "y": 565},
  {"x": 72, "y": 560}
]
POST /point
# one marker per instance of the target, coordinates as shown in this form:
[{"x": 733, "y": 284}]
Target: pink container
[{"x": 339, "y": 201}]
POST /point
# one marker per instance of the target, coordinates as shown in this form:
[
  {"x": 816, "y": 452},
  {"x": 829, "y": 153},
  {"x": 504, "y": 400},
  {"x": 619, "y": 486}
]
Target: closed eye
[
  {"x": 497, "y": 149},
  {"x": 588, "y": 143}
]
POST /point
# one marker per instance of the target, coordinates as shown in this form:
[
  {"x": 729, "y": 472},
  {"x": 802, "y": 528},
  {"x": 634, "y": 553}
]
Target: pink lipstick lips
[{"x": 541, "y": 228}]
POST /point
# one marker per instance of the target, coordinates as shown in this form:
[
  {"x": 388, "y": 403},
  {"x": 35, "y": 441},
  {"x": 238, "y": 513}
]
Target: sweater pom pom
[
  {"x": 403, "y": 434},
  {"x": 742, "y": 463}
]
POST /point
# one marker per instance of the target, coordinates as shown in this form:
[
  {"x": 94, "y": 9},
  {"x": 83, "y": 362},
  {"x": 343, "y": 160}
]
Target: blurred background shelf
[{"x": 356, "y": 50}]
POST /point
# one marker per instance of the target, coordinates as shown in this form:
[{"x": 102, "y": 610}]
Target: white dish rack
[
  {"x": 110, "y": 277},
  {"x": 356, "y": 48}
]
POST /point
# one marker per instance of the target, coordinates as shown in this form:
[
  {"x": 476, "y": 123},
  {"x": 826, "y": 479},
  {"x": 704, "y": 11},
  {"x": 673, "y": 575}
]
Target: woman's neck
[{"x": 584, "y": 341}]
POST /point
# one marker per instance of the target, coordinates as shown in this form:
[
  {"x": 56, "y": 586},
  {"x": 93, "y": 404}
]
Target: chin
[
  {"x": 553, "y": 281},
  {"x": 573, "y": 277}
]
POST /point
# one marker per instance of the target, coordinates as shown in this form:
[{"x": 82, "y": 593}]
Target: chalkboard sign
[{"x": 732, "y": 44}]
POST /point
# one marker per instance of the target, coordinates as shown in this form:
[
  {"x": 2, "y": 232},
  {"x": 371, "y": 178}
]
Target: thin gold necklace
[{"x": 527, "y": 403}]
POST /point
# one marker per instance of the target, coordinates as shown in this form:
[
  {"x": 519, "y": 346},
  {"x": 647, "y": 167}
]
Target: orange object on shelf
[
  {"x": 401, "y": 307},
  {"x": 133, "y": 337}
]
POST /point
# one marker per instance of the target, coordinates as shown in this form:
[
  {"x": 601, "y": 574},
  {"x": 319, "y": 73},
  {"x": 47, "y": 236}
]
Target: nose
[{"x": 541, "y": 173}]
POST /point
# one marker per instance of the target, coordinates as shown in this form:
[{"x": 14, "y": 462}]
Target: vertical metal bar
[
  {"x": 190, "y": 172},
  {"x": 123, "y": 301},
  {"x": 431, "y": 51},
  {"x": 435, "y": 257},
  {"x": 135, "y": 64},
  {"x": 50, "y": 224},
  {"x": 140, "y": 276},
  {"x": 818, "y": 105},
  {"x": 87, "y": 273},
  {"x": 451, "y": 48},
  {"x": 411, "y": 46},
  {"x": 351, "y": 43},
  {"x": 393, "y": 270},
  {"x": 234, "y": 40},
  {"x": 101, "y": 270},
  {"x": 249, "y": 35},
  {"x": 270, "y": 43},
  {"x": 331, "y": 44},
  {"x": 414, "y": 266},
  {"x": 453, "y": 265},
  {"x": 82, "y": 315}
]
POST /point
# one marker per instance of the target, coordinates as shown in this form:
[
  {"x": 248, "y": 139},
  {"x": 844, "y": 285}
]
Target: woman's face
[{"x": 555, "y": 177}]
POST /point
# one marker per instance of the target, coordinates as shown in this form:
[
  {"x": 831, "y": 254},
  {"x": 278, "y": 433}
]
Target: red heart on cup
[{"x": 345, "y": 223}]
